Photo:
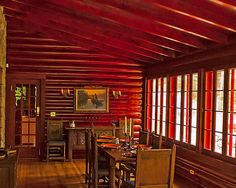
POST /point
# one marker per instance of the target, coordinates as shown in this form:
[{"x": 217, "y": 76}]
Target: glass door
[{"x": 23, "y": 129}]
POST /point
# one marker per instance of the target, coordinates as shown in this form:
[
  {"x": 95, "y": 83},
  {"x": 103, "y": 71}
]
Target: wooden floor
[{"x": 36, "y": 174}]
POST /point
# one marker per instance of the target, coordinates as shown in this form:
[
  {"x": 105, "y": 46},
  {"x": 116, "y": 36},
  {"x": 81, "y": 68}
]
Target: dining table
[{"x": 115, "y": 153}]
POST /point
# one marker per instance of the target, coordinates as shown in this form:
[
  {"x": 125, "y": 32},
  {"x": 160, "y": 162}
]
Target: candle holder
[
  {"x": 130, "y": 142},
  {"x": 126, "y": 141}
]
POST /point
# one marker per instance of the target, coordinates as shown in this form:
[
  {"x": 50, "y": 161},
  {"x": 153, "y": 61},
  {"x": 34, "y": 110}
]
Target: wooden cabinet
[{"x": 8, "y": 171}]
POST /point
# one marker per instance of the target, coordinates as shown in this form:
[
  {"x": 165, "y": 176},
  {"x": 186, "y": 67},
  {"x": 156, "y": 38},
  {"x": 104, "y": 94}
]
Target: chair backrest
[
  {"x": 88, "y": 146},
  {"x": 155, "y": 141},
  {"x": 104, "y": 130},
  {"x": 155, "y": 168},
  {"x": 143, "y": 137},
  {"x": 94, "y": 160},
  {"x": 54, "y": 130}
]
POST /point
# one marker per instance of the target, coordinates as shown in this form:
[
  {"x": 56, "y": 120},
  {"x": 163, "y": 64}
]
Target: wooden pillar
[{"x": 2, "y": 76}]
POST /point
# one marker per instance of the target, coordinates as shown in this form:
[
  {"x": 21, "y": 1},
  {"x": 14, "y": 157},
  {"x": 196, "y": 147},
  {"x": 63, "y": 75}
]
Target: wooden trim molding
[{"x": 204, "y": 170}]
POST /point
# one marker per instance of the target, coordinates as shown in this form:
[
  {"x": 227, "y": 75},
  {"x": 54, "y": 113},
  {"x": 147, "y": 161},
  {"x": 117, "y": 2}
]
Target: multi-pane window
[
  {"x": 172, "y": 99},
  {"x": 156, "y": 105},
  {"x": 161, "y": 106},
  {"x": 149, "y": 104},
  {"x": 174, "y": 107},
  {"x": 181, "y": 93},
  {"x": 231, "y": 125},
  {"x": 178, "y": 108},
  {"x": 194, "y": 108},
  {"x": 186, "y": 108},
  {"x": 153, "y": 124},
  {"x": 214, "y": 105},
  {"x": 164, "y": 103}
]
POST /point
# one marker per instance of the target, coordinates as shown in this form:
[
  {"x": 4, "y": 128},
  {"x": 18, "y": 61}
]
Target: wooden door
[{"x": 23, "y": 116}]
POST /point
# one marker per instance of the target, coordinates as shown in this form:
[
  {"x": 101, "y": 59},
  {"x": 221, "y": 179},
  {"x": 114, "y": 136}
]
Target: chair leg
[
  {"x": 47, "y": 153},
  {"x": 86, "y": 170},
  {"x": 64, "y": 152}
]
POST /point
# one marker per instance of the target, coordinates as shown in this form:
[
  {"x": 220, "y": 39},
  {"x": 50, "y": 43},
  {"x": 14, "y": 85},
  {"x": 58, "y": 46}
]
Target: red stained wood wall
[{"x": 68, "y": 67}]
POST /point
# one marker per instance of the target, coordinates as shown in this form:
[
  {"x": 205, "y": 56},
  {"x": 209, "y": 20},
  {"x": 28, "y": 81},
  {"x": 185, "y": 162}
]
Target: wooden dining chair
[
  {"x": 155, "y": 141},
  {"x": 128, "y": 169},
  {"x": 56, "y": 145},
  {"x": 143, "y": 137},
  {"x": 155, "y": 169},
  {"x": 88, "y": 156},
  {"x": 96, "y": 172},
  {"x": 100, "y": 169}
]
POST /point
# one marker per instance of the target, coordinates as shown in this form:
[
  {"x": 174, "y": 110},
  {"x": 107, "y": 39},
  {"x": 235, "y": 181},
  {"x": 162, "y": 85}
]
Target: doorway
[{"x": 23, "y": 104}]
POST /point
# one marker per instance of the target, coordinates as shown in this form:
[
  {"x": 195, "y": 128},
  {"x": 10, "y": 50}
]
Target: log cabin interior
[{"x": 169, "y": 65}]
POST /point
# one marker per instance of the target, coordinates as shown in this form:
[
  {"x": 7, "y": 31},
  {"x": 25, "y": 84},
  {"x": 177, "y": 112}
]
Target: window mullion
[{"x": 200, "y": 111}]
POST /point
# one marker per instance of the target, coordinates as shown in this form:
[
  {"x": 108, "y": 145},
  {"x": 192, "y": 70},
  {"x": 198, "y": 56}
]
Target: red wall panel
[{"x": 68, "y": 67}]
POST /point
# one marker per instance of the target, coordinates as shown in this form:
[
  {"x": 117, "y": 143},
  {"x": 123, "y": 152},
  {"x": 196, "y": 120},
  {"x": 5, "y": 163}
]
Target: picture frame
[{"x": 91, "y": 100}]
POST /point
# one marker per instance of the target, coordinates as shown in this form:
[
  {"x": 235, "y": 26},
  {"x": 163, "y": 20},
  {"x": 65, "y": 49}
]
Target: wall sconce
[
  {"x": 116, "y": 94},
  {"x": 65, "y": 92}
]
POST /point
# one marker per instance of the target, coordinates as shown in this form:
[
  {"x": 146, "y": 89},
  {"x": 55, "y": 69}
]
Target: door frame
[{"x": 10, "y": 122}]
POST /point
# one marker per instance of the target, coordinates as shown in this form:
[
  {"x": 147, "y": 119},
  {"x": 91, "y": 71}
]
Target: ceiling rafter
[
  {"x": 229, "y": 2},
  {"x": 124, "y": 18},
  {"x": 136, "y": 35},
  {"x": 135, "y": 31},
  {"x": 37, "y": 28},
  {"x": 165, "y": 17},
  {"x": 89, "y": 32},
  {"x": 205, "y": 11}
]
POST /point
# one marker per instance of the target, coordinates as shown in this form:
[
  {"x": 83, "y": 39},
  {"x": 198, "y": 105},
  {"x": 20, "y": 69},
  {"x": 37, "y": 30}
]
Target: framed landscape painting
[{"x": 92, "y": 100}]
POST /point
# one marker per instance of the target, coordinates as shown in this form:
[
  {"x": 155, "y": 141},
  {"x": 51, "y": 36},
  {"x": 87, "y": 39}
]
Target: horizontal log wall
[{"x": 69, "y": 67}]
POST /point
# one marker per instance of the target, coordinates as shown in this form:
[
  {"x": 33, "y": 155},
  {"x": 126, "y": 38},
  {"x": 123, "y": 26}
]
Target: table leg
[{"x": 112, "y": 182}]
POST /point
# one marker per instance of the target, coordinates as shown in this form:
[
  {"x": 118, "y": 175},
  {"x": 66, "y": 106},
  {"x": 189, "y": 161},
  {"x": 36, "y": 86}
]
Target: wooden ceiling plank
[
  {"x": 70, "y": 38},
  {"x": 126, "y": 19},
  {"x": 205, "y": 11},
  {"x": 91, "y": 34},
  {"x": 168, "y": 18},
  {"x": 130, "y": 33},
  {"x": 229, "y": 2}
]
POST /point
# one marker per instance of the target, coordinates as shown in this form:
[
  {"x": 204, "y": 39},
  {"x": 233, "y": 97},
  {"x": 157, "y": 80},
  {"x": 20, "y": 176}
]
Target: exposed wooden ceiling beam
[
  {"x": 72, "y": 38},
  {"x": 89, "y": 33},
  {"x": 205, "y": 11},
  {"x": 124, "y": 18},
  {"x": 108, "y": 27},
  {"x": 165, "y": 17}
]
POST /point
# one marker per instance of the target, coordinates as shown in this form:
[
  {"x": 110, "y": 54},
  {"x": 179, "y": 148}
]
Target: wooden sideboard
[
  {"x": 8, "y": 171},
  {"x": 76, "y": 136}
]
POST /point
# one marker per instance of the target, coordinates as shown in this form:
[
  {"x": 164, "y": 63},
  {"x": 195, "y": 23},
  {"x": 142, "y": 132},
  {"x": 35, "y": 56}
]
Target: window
[
  {"x": 172, "y": 98},
  {"x": 231, "y": 126},
  {"x": 175, "y": 105},
  {"x": 178, "y": 108},
  {"x": 182, "y": 96},
  {"x": 214, "y": 105},
  {"x": 156, "y": 105}
]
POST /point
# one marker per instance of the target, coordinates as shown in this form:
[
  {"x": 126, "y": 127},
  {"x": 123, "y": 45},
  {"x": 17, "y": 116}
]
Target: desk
[
  {"x": 76, "y": 136},
  {"x": 114, "y": 156}
]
